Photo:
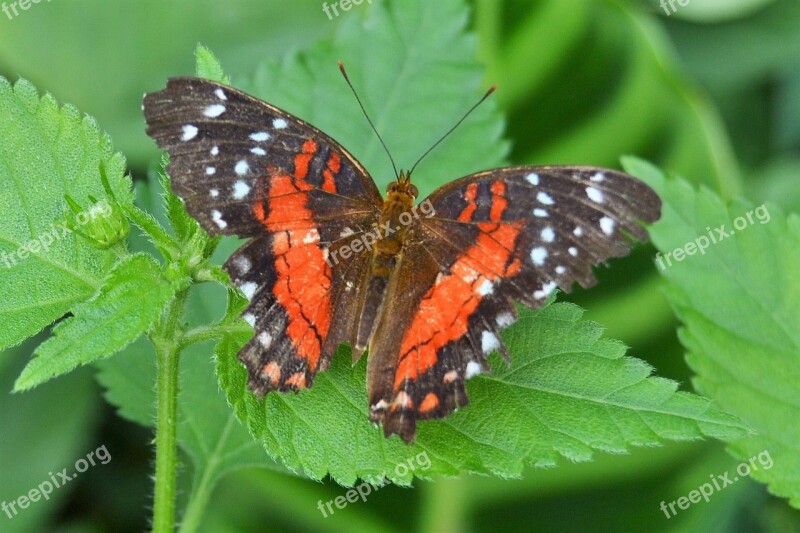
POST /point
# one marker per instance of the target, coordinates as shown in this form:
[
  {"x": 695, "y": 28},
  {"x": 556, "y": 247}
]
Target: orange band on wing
[
  {"x": 303, "y": 277},
  {"x": 469, "y": 195},
  {"x": 499, "y": 202},
  {"x": 444, "y": 311},
  {"x": 330, "y": 172},
  {"x": 303, "y": 159}
]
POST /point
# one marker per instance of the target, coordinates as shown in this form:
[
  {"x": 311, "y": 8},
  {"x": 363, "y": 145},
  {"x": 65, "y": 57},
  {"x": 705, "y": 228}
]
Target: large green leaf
[
  {"x": 567, "y": 393},
  {"x": 47, "y": 152},
  {"x": 132, "y": 298},
  {"x": 739, "y": 302}
]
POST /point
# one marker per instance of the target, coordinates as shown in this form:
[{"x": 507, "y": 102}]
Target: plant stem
[
  {"x": 212, "y": 332},
  {"x": 166, "y": 338}
]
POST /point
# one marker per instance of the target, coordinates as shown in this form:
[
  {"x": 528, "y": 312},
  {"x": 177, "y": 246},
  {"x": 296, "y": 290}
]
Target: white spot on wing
[
  {"x": 380, "y": 406},
  {"x": 249, "y": 289},
  {"x": 486, "y": 288},
  {"x": 240, "y": 190},
  {"x": 578, "y": 231},
  {"x": 533, "y": 178},
  {"x": 473, "y": 368},
  {"x": 598, "y": 177},
  {"x": 189, "y": 132},
  {"x": 346, "y": 232},
  {"x": 504, "y": 320},
  {"x": 311, "y": 237},
  {"x": 548, "y": 235},
  {"x": 214, "y": 193},
  {"x": 573, "y": 251},
  {"x": 216, "y": 216},
  {"x": 545, "y": 198},
  {"x": 560, "y": 269},
  {"x": 489, "y": 342},
  {"x": 243, "y": 264},
  {"x": 220, "y": 94},
  {"x": 250, "y": 318},
  {"x": 279, "y": 123},
  {"x": 539, "y": 212},
  {"x": 210, "y": 171},
  {"x": 450, "y": 377},
  {"x": 265, "y": 339},
  {"x": 258, "y": 151},
  {"x": 241, "y": 168},
  {"x": 215, "y": 150},
  {"x": 214, "y": 110},
  {"x": 595, "y": 195},
  {"x": 547, "y": 288},
  {"x": 607, "y": 225},
  {"x": 259, "y": 136},
  {"x": 538, "y": 255},
  {"x": 402, "y": 399}
]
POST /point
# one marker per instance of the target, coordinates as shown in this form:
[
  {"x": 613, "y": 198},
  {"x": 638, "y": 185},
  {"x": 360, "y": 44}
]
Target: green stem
[
  {"x": 166, "y": 339},
  {"x": 201, "y": 490},
  {"x": 444, "y": 506},
  {"x": 212, "y": 332}
]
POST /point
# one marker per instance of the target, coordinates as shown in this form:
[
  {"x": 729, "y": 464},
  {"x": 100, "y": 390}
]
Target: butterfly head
[{"x": 403, "y": 186}]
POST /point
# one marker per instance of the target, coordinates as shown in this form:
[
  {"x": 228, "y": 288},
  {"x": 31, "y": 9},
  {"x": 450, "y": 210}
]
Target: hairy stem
[{"x": 166, "y": 338}]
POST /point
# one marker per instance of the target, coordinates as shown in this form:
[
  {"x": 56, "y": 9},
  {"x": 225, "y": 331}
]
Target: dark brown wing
[
  {"x": 496, "y": 237},
  {"x": 247, "y": 168}
]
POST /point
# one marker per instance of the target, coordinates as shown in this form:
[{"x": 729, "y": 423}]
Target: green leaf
[
  {"x": 46, "y": 430},
  {"x": 208, "y": 66},
  {"x": 567, "y": 394},
  {"x": 739, "y": 302},
  {"x": 414, "y": 68},
  {"x": 131, "y": 299},
  {"x": 48, "y": 152}
]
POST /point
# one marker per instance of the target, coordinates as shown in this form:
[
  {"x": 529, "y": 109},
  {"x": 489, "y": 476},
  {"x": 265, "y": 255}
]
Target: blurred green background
[{"x": 710, "y": 91}]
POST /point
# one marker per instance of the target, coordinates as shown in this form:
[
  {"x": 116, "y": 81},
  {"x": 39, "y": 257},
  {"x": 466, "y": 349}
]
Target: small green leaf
[
  {"x": 739, "y": 301},
  {"x": 48, "y": 152},
  {"x": 131, "y": 299},
  {"x": 208, "y": 66}
]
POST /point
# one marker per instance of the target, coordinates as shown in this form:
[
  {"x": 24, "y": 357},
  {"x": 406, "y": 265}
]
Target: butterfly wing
[
  {"x": 246, "y": 168},
  {"x": 495, "y": 237}
]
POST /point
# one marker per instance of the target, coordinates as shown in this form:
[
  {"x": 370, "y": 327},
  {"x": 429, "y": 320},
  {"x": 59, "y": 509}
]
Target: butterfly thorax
[{"x": 396, "y": 216}]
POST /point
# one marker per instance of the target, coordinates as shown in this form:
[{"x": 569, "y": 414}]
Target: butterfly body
[{"x": 426, "y": 287}]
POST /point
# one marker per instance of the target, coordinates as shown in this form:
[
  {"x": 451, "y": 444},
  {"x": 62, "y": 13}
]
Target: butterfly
[{"x": 425, "y": 287}]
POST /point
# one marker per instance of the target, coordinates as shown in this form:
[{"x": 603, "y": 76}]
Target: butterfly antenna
[
  {"x": 347, "y": 79},
  {"x": 457, "y": 124}
]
